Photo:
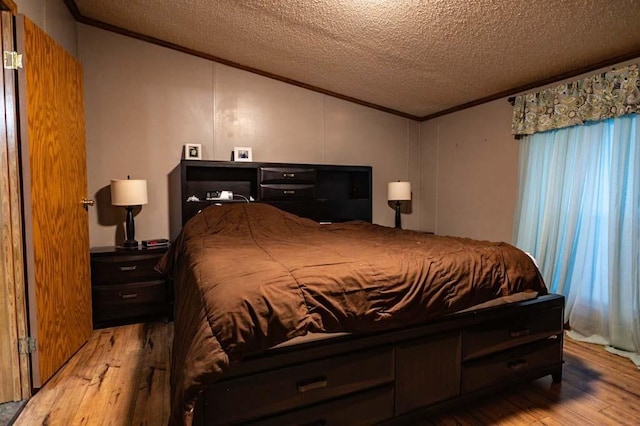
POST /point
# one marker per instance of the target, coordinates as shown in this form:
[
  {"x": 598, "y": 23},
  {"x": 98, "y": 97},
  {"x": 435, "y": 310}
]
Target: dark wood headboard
[{"x": 322, "y": 192}]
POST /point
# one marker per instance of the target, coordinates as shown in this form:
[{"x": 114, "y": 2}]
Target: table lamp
[
  {"x": 129, "y": 193},
  {"x": 398, "y": 191}
]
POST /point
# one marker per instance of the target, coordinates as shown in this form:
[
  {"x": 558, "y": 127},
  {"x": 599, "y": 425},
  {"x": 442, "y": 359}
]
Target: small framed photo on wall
[
  {"x": 193, "y": 151},
  {"x": 242, "y": 153}
]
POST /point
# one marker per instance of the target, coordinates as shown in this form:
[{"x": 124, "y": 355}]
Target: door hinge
[
  {"x": 11, "y": 60},
  {"x": 27, "y": 345}
]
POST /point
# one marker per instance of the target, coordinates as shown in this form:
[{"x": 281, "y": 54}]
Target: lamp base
[
  {"x": 130, "y": 244},
  {"x": 398, "y": 216},
  {"x": 130, "y": 229}
]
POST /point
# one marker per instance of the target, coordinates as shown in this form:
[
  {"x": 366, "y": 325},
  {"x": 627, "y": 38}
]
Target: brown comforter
[{"x": 250, "y": 276}]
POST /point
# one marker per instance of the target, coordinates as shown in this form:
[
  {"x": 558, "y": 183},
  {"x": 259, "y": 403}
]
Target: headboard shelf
[{"x": 322, "y": 192}]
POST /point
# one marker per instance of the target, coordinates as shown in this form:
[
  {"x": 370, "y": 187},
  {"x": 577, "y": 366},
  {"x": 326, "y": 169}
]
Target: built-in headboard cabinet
[{"x": 322, "y": 192}]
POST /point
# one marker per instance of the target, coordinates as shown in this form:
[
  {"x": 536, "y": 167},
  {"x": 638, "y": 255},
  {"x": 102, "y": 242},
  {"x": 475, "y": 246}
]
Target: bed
[{"x": 282, "y": 320}]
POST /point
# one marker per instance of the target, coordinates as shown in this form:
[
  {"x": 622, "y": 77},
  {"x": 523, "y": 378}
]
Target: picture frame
[
  {"x": 242, "y": 153},
  {"x": 193, "y": 151}
]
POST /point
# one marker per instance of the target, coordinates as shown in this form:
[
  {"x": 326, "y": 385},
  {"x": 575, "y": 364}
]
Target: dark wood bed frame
[{"x": 392, "y": 377}]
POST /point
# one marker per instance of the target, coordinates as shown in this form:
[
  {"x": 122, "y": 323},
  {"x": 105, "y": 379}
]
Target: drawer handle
[
  {"x": 288, "y": 192},
  {"x": 288, "y": 175},
  {"x": 311, "y": 384},
  {"x": 518, "y": 365},
  {"x": 127, "y": 268},
  {"x": 125, "y": 296},
  {"x": 520, "y": 333}
]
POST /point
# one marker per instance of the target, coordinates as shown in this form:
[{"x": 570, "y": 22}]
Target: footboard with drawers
[{"x": 392, "y": 377}]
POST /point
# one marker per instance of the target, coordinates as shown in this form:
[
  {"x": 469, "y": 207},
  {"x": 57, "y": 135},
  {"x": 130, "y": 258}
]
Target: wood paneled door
[{"x": 52, "y": 136}]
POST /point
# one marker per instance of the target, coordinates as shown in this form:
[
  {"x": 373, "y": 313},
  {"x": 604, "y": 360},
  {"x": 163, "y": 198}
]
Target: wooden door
[
  {"x": 52, "y": 136},
  {"x": 14, "y": 366}
]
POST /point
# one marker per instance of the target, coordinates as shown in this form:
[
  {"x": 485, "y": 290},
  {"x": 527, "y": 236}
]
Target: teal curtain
[{"x": 578, "y": 214}]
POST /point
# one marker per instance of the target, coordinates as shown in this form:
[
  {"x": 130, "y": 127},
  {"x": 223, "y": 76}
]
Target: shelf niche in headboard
[{"x": 322, "y": 192}]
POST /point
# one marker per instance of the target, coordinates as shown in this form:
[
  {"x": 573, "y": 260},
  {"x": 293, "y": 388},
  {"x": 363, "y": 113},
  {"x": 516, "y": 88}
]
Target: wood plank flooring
[{"x": 121, "y": 377}]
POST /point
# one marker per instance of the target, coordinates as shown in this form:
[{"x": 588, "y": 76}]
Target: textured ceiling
[{"x": 415, "y": 57}]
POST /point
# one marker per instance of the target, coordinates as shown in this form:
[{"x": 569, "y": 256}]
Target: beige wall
[
  {"x": 469, "y": 168},
  {"x": 144, "y": 102},
  {"x": 54, "y": 17},
  {"x": 470, "y": 173}
]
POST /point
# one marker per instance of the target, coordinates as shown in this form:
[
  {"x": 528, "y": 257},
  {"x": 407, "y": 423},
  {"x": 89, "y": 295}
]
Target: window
[{"x": 579, "y": 214}]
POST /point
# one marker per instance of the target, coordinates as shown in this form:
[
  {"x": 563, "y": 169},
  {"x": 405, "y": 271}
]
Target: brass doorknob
[{"x": 86, "y": 203}]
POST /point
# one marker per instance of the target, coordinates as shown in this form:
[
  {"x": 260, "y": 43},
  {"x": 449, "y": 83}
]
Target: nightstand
[{"x": 126, "y": 288}]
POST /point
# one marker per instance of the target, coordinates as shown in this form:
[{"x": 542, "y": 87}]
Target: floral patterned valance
[{"x": 595, "y": 98}]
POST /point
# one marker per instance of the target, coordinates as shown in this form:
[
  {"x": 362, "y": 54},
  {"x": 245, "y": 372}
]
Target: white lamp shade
[
  {"x": 128, "y": 192},
  {"x": 399, "y": 191}
]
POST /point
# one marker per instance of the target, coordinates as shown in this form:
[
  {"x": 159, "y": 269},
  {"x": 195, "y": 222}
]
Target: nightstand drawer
[
  {"x": 510, "y": 332},
  {"x": 125, "y": 287},
  {"x": 511, "y": 364},
  {"x": 124, "y": 269},
  {"x": 141, "y": 293},
  {"x": 286, "y": 192},
  {"x": 293, "y": 387},
  {"x": 287, "y": 175}
]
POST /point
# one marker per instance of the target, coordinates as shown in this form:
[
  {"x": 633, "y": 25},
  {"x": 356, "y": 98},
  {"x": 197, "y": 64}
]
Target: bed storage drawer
[
  {"x": 286, "y": 192},
  {"x": 365, "y": 408},
  {"x": 297, "y": 386},
  {"x": 510, "y": 332},
  {"x": 287, "y": 175},
  {"x": 512, "y": 364}
]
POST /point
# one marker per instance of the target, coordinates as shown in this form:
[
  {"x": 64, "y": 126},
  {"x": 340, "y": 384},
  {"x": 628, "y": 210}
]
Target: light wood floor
[{"x": 121, "y": 377}]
